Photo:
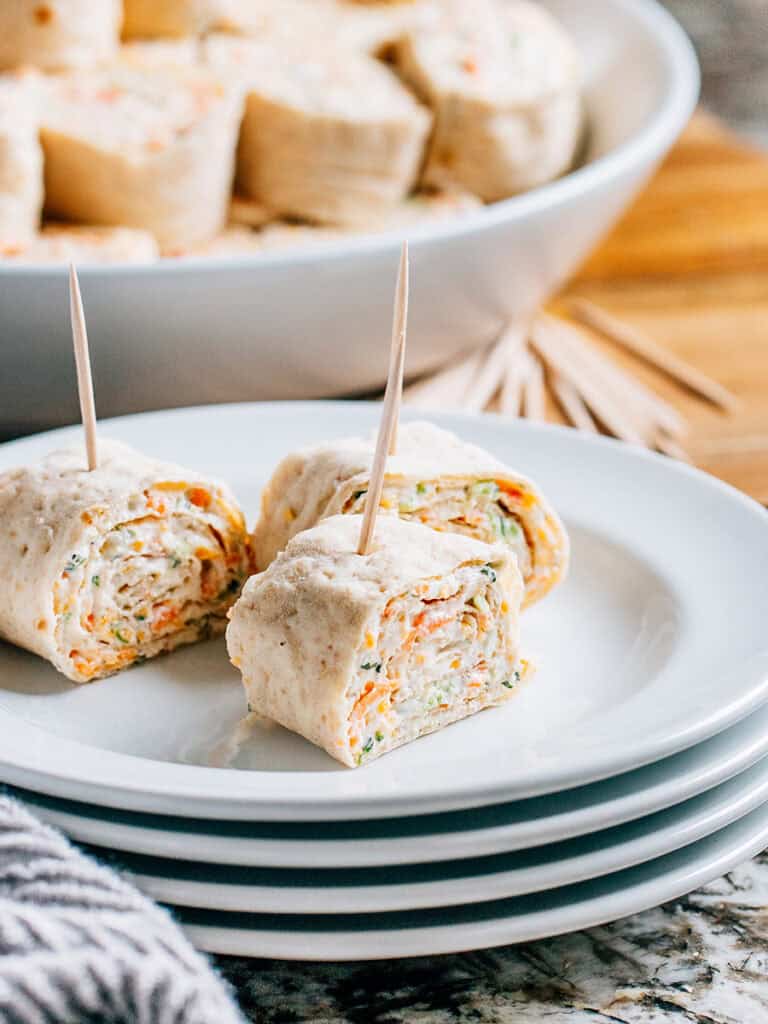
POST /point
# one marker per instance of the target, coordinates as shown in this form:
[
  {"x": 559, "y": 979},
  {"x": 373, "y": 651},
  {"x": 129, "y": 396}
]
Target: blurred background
[
  {"x": 731, "y": 37},
  {"x": 681, "y": 224}
]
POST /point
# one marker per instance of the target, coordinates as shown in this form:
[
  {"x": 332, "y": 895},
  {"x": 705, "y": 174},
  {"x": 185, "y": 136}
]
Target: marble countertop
[
  {"x": 702, "y": 959},
  {"x": 699, "y": 960}
]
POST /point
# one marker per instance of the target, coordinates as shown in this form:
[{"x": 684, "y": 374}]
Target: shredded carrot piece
[
  {"x": 367, "y": 699},
  {"x": 434, "y": 626},
  {"x": 165, "y": 615},
  {"x": 422, "y": 630},
  {"x": 169, "y": 485},
  {"x": 199, "y": 496},
  {"x": 90, "y": 668},
  {"x": 43, "y": 14},
  {"x": 156, "y": 504},
  {"x": 109, "y": 95},
  {"x": 510, "y": 489}
]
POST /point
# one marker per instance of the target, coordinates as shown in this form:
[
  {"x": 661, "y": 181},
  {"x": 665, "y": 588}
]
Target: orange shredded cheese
[{"x": 199, "y": 496}]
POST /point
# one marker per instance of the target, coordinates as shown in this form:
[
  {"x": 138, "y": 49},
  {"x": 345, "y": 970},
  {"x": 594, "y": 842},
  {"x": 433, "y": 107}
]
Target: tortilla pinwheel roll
[
  {"x": 504, "y": 82},
  {"x": 328, "y": 135},
  {"x": 435, "y": 479},
  {"x": 142, "y": 147},
  {"x": 21, "y": 158},
  {"x": 58, "y": 34},
  {"x": 104, "y": 569},
  {"x": 363, "y": 653}
]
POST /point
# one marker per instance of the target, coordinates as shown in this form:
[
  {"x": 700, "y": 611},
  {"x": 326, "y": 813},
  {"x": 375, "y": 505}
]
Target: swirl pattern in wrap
[
  {"x": 363, "y": 653},
  {"x": 436, "y": 479},
  {"x": 104, "y": 569}
]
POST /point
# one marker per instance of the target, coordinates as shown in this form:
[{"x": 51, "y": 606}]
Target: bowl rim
[{"x": 647, "y": 146}]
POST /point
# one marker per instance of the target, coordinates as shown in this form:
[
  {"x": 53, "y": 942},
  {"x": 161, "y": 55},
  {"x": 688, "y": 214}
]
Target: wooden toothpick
[
  {"x": 83, "y": 363},
  {"x": 572, "y": 404},
  {"x": 549, "y": 339},
  {"x": 514, "y": 377},
  {"x": 533, "y": 390},
  {"x": 390, "y": 412},
  {"x": 644, "y": 348},
  {"x": 487, "y": 381},
  {"x": 399, "y": 332},
  {"x": 447, "y": 387}
]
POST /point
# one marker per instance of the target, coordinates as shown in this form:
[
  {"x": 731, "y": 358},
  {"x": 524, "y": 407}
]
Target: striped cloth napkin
[{"x": 77, "y": 944}]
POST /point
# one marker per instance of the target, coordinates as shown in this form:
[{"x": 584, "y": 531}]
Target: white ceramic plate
[
  {"x": 480, "y": 925},
  {"x": 497, "y": 828},
  {"x": 656, "y": 642},
  {"x": 317, "y": 322},
  {"x": 458, "y": 882}
]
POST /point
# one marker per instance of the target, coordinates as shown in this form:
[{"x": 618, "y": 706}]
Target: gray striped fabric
[{"x": 79, "y": 945}]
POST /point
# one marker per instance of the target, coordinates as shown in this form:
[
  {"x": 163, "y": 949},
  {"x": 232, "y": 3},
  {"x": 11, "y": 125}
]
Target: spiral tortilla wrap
[
  {"x": 504, "y": 82},
  {"x": 140, "y": 147},
  {"x": 104, "y": 569},
  {"x": 434, "y": 478},
  {"x": 326, "y": 136},
  {"x": 361, "y": 654}
]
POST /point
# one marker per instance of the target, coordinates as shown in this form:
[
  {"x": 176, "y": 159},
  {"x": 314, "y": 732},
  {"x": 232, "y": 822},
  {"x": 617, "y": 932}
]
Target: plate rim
[
  {"x": 185, "y": 783},
  {"x": 297, "y": 852},
  {"x": 561, "y": 864},
  {"x": 628, "y": 892}
]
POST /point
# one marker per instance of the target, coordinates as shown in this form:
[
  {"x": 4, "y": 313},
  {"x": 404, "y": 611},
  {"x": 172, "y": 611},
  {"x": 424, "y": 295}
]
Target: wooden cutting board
[{"x": 689, "y": 266}]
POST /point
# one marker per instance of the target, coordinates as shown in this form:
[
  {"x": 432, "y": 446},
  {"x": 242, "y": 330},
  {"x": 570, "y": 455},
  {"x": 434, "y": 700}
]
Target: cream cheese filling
[
  {"x": 479, "y": 509},
  {"x": 146, "y": 586},
  {"x": 439, "y": 652}
]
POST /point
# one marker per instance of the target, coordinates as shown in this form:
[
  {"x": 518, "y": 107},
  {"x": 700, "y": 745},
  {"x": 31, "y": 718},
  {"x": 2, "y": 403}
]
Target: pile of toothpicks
[{"x": 557, "y": 355}]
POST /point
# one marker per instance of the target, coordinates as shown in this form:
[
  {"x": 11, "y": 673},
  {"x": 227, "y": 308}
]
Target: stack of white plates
[{"x": 633, "y": 768}]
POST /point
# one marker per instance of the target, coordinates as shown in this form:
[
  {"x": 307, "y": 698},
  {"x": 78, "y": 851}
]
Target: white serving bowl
[{"x": 317, "y": 322}]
